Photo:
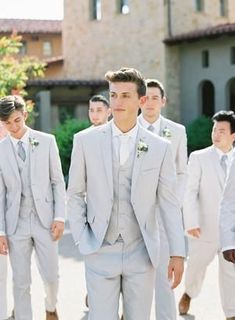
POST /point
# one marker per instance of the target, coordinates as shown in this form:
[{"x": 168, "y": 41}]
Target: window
[
  {"x": 232, "y": 55},
  {"x": 47, "y": 48},
  {"x": 95, "y": 9},
  {"x": 205, "y": 59},
  {"x": 208, "y": 98},
  {"x": 223, "y": 8},
  {"x": 124, "y": 7},
  {"x": 199, "y": 5},
  {"x": 23, "y": 48}
]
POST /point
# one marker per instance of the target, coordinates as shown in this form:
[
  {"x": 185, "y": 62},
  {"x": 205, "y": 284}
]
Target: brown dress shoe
[
  {"x": 184, "y": 304},
  {"x": 51, "y": 315}
]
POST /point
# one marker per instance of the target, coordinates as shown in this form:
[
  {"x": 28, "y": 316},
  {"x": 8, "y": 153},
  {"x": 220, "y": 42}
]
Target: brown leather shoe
[
  {"x": 184, "y": 304},
  {"x": 231, "y": 318},
  {"x": 51, "y": 315}
]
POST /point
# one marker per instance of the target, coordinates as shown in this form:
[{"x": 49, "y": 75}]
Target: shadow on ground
[{"x": 67, "y": 249}]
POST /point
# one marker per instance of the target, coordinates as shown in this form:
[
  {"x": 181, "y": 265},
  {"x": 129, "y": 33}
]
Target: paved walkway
[{"x": 72, "y": 290}]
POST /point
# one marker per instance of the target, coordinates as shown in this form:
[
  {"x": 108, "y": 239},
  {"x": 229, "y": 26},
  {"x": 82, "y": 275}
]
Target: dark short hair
[
  {"x": 128, "y": 75},
  {"x": 9, "y": 104},
  {"x": 227, "y": 116},
  {"x": 154, "y": 83},
  {"x": 99, "y": 98}
]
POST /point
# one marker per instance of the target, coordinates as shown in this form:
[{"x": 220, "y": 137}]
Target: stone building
[{"x": 157, "y": 37}]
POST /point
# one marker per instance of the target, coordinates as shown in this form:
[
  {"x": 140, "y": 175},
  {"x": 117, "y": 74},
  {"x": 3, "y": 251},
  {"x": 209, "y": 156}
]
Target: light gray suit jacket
[
  {"x": 203, "y": 193},
  {"x": 227, "y": 210},
  {"x": 47, "y": 182},
  {"x": 90, "y": 191},
  {"x": 178, "y": 141}
]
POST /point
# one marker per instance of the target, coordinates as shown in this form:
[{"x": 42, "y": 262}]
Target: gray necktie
[
  {"x": 223, "y": 163},
  {"x": 21, "y": 151},
  {"x": 151, "y": 128}
]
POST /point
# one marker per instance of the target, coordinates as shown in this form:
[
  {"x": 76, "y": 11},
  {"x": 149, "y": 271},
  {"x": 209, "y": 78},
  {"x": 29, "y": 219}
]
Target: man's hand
[
  {"x": 229, "y": 255},
  {"x": 3, "y": 245},
  {"x": 194, "y": 232},
  {"x": 175, "y": 270},
  {"x": 57, "y": 229}
]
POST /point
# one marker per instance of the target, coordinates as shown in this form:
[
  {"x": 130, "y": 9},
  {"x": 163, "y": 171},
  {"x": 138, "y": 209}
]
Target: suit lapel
[
  {"x": 141, "y": 136},
  {"x": 106, "y": 147},
  {"x": 218, "y": 170},
  {"x": 162, "y": 125},
  {"x": 32, "y": 154},
  {"x": 12, "y": 157}
]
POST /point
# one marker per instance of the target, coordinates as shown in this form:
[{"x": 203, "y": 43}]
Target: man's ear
[
  {"x": 143, "y": 100},
  {"x": 164, "y": 102},
  {"x": 26, "y": 114}
]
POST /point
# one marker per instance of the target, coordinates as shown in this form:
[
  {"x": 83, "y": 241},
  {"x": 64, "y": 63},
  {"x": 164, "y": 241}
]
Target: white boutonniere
[
  {"x": 141, "y": 147},
  {"x": 166, "y": 133},
  {"x": 33, "y": 142}
]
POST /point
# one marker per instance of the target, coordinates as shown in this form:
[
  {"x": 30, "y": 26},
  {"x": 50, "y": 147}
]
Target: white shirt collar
[
  {"x": 221, "y": 153},
  {"x": 116, "y": 132},
  {"x": 146, "y": 124},
  {"x": 24, "y": 139}
]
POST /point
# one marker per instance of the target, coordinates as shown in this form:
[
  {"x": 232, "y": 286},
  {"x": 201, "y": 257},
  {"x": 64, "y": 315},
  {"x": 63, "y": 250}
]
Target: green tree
[
  {"x": 199, "y": 133},
  {"x": 15, "y": 70},
  {"x": 64, "y": 137}
]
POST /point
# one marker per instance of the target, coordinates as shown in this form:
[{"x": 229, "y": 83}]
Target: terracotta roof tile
[
  {"x": 30, "y": 26},
  {"x": 208, "y": 33}
]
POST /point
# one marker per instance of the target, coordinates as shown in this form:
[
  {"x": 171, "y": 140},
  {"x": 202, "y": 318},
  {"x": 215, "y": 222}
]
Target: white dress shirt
[
  {"x": 157, "y": 124},
  {"x": 117, "y": 136}
]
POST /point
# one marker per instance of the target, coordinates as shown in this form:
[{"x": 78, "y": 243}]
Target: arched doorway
[
  {"x": 231, "y": 94},
  {"x": 207, "y": 98}
]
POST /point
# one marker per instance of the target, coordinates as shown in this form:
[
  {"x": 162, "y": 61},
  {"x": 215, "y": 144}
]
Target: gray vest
[
  {"x": 27, "y": 203},
  {"x": 123, "y": 223}
]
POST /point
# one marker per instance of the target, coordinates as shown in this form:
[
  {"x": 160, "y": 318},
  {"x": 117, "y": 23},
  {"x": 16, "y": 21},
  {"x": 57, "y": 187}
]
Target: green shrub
[
  {"x": 64, "y": 137},
  {"x": 199, "y": 133}
]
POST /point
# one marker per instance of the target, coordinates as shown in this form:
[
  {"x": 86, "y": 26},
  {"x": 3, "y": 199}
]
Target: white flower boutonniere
[
  {"x": 166, "y": 133},
  {"x": 33, "y": 142},
  {"x": 141, "y": 147}
]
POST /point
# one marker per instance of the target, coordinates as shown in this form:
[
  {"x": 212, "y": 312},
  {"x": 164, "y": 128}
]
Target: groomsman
[
  {"x": 99, "y": 110},
  {"x": 32, "y": 206},
  {"x": 3, "y": 263},
  {"x": 119, "y": 172},
  {"x": 152, "y": 120},
  {"x": 207, "y": 171}
]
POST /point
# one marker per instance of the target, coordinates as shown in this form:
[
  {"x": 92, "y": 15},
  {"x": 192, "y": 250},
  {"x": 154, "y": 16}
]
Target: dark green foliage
[
  {"x": 64, "y": 137},
  {"x": 199, "y": 133}
]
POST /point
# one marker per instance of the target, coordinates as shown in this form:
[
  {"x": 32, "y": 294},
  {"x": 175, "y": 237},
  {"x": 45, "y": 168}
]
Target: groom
[
  {"x": 120, "y": 173},
  {"x": 32, "y": 206}
]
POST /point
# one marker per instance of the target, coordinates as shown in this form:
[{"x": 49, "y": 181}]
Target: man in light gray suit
[
  {"x": 207, "y": 170},
  {"x": 120, "y": 175},
  {"x": 151, "y": 119},
  {"x": 32, "y": 206}
]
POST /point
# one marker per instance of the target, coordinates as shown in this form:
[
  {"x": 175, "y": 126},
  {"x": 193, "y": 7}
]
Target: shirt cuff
[
  {"x": 2, "y": 233},
  {"x": 228, "y": 248},
  {"x": 59, "y": 219}
]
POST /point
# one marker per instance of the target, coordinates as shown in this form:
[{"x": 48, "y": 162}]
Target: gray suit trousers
[
  {"x": 29, "y": 235},
  {"x": 120, "y": 268}
]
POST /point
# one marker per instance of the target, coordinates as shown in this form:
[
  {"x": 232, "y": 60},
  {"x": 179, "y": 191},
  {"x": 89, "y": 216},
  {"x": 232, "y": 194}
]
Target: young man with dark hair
[
  {"x": 112, "y": 205},
  {"x": 207, "y": 170},
  {"x": 32, "y": 206},
  {"x": 99, "y": 110},
  {"x": 151, "y": 119}
]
